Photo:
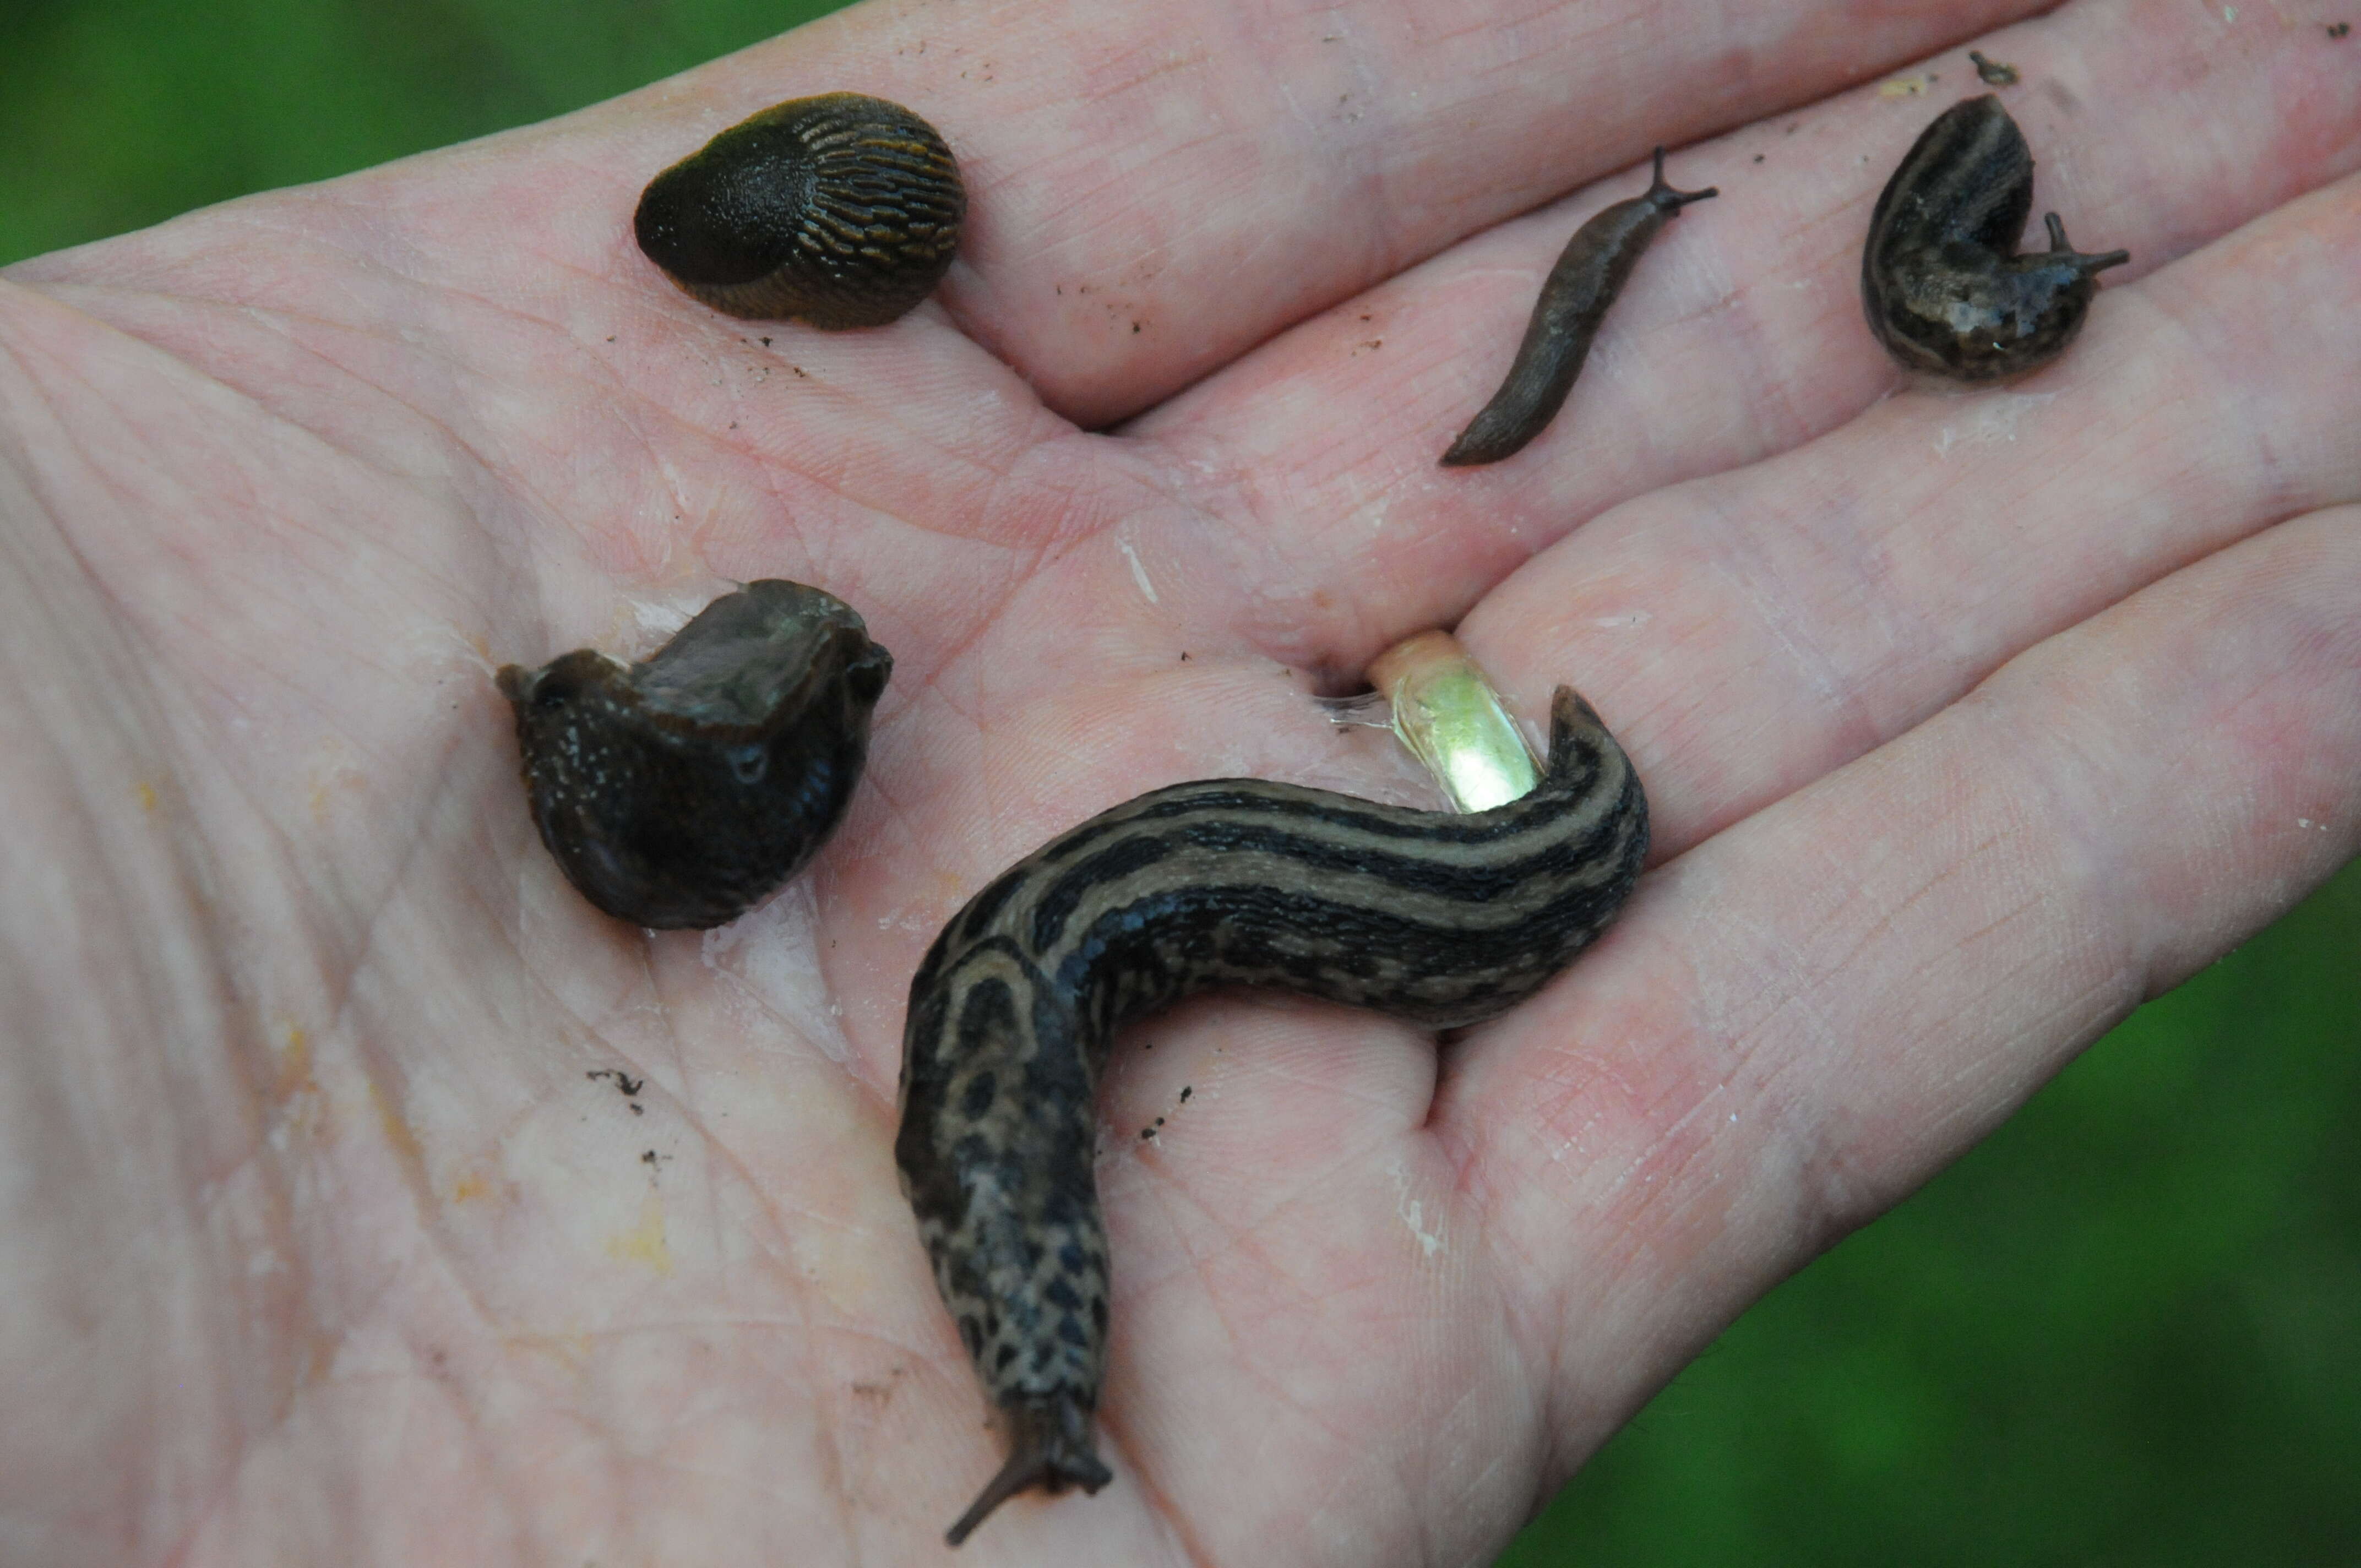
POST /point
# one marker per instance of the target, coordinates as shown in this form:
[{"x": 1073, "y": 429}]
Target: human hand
[{"x": 1968, "y": 721}]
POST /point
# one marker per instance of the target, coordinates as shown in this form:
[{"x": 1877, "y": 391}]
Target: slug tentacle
[
  {"x": 1941, "y": 281},
  {"x": 841, "y": 210},
  {"x": 1441, "y": 919},
  {"x": 683, "y": 789},
  {"x": 2062, "y": 254},
  {"x": 1589, "y": 273}
]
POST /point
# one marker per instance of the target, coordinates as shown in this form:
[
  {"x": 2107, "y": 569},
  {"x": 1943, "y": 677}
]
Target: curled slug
[
  {"x": 1941, "y": 280},
  {"x": 683, "y": 789},
  {"x": 840, "y": 210},
  {"x": 1441, "y": 919},
  {"x": 1589, "y": 273}
]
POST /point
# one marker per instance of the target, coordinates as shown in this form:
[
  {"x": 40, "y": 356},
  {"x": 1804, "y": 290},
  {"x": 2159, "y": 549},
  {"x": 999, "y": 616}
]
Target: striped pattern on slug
[
  {"x": 1441, "y": 919},
  {"x": 1942, "y": 283},
  {"x": 1589, "y": 273},
  {"x": 841, "y": 210}
]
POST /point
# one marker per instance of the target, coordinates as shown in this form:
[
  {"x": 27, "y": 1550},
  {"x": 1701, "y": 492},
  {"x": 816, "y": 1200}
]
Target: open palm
[{"x": 367, "y": 1197}]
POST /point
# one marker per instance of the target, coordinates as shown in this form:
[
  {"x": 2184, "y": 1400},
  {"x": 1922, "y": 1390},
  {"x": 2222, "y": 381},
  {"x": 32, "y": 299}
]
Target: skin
[{"x": 1967, "y": 720}]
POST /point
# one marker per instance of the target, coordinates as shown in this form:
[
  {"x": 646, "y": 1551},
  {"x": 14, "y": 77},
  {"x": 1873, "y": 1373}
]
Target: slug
[
  {"x": 1589, "y": 273},
  {"x": 1941, "y": 281},
  {"x": 681, "y": 791},
  {"x": 1440, "y": 920},
  {"x": 1993, "y": 72},
  {"x": 839, "y": 211}
]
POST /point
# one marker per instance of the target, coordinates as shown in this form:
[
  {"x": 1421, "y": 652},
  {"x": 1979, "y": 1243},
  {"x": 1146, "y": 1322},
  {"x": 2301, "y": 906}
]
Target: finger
[
  {"x": 1214, "y": 182},
  {"x": 1804, "y": 1018},
  {"x": 1149, "y": 201},
  {"x": 1748, "y": 634},
  {"x": 578, "y": 400},
  {"x": 1172, "y": 201},
  {"x": 1741, "y": 334}
]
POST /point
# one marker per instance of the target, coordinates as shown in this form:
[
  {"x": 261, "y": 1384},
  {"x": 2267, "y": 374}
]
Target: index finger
[{"x": 1152, "y": 192}]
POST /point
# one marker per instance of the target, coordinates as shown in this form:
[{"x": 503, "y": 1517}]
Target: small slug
[
  {"x": 840, "y": 210},
  {"x": 1589, "y": 273},
  {"x": 1940, "y": 278},
  {"x": 1993, "y": 72},
  {"x": 1441, "y": 919},
  {"x": 683, "y": 790}
]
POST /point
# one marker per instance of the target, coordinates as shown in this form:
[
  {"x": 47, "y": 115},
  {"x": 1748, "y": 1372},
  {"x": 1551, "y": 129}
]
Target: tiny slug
[
  {"x": 1993, "y": 72},
  {"x": 1441, "y": 919},
  {"x": 841, "y": 210},
  {"x": 1589, "y": 273},
  {"x": 1941, "y": 280},
  {"x": 683, "y": 789}
]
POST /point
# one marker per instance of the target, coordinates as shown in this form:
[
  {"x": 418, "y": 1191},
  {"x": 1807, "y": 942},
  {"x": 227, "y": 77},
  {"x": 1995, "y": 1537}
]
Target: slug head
[
  {"x": 842, "y": 211},
  {"x": 683, "y": 790},
  {"x": 1974, "y": 317}
]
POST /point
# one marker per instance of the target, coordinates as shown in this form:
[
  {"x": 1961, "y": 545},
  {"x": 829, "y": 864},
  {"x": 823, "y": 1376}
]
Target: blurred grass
[
  {"x": 2123, "y": 1331},
  {"x": 116, "y": 114}
]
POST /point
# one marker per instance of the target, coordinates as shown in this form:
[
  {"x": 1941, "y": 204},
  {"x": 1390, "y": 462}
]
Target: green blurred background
[{"x": 2124, "y": 1331}]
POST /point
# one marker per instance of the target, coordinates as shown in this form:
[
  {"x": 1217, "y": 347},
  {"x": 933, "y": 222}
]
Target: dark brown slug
[
  {"x": 1941, "y": 280},
  {"x": 683, "y": 790},
  {"x": 1441, "y": 919},
  {"x": 1993, "y": 72},
  {"x": 840, "y": 210},
  {"x": 1589, "y": 273}
]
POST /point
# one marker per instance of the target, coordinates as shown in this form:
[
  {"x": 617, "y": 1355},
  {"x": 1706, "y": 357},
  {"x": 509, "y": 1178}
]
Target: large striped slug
[
  {"x": 683, "y": 789},
  {"x": 1943, "y": 286},
  {"x": 1441, "y": 919},
  {"x": 1591, "y": 270},
  {"x": 840, "y": 210}
]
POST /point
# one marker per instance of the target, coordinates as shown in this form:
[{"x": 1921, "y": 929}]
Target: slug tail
[
  {"x": 1049, "y": 1447},
  {"x": 1572, "y": 721},
  {"x": 1497, "y": 433}
]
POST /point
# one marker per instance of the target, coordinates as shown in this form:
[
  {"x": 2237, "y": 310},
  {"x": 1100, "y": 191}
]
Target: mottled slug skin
[
  {"x": 1941, "y": 282},
  {"x": 840, "y": 210},
  {"x": 683, "y": 790},
  {"x": 1591, "y": 270},
  {"x": 1441, "y": 919}
]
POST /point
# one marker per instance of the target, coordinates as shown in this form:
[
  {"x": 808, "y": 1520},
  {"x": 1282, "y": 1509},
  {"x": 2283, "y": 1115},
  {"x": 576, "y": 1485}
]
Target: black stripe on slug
[
  {"x": 1052, "y": 903},
  {"x": 1254, "y": 798}
]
